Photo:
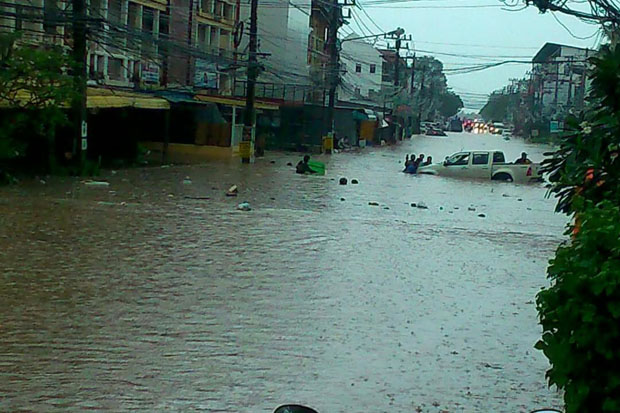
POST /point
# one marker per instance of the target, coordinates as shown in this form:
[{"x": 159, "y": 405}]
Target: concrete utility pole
[
  {"x": 397, "y": 62},
  {"x": 412, "y": 74},
  {"x": 333, "y": 72},
  {"x": 397, "y": 35},
  {"x": 334, "y": 69},
  {"x": 78, "y": 106},
  {"x": 247, "y": 140},
  {"x": 421, "y": 97}
]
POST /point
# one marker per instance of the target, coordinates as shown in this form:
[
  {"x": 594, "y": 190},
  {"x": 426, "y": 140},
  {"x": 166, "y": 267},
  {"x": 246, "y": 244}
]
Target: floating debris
[
  {"x": 244, "y": 206},
  {"x": 232, "y": 191}
]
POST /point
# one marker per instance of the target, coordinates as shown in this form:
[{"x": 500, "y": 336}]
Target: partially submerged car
[{"x": 484, "y": 165}]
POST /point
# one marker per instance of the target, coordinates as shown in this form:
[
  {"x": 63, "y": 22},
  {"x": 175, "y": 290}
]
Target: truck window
[
  {"x": 480, "y": 159},
  {"x": 498, "y": 157},
  {"x": 457, "y": 159}
]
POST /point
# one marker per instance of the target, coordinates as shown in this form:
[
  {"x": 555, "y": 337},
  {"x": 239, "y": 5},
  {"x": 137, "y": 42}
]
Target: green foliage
[
  {"x": 451, "y": 103},
  {"x": 36, "y": 88},
  {"x": 580, "y": 312},
  {"x": 591, "y": 141},
  {"x": 496, "y": 109}
]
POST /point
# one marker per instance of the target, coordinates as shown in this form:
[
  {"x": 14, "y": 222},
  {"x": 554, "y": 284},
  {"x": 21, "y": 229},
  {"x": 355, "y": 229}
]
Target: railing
[{"x": 284, "y": 92}]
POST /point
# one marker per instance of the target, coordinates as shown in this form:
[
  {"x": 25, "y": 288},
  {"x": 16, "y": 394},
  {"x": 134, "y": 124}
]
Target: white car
[{"x": 484, "y": 165}]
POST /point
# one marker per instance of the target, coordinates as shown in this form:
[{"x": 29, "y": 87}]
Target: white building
[
  {"x": 559, "y": 79},
  {"x": 362, "y": 67},
  {"x": 283, "y": 34}
]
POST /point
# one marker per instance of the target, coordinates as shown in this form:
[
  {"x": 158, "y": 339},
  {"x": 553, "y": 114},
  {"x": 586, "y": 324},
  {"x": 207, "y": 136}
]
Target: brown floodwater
[{"x": 153, "y": 294}]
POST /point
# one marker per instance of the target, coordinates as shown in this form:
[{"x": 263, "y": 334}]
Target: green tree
[
  {"x": 496, "y": 108},
  {"x": 580, "y": 311},
  {"x": 35, "y": 88},
  {"x": 450, "y": 105}
]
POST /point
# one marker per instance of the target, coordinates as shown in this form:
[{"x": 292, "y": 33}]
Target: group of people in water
[{"x": 412, "y": 163}]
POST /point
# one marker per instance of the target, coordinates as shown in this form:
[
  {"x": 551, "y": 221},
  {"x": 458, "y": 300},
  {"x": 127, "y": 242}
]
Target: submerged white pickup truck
[{"x": 484, "y": 165}]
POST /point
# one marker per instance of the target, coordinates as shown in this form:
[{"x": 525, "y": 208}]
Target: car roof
[{"x": 479, "y": 150}]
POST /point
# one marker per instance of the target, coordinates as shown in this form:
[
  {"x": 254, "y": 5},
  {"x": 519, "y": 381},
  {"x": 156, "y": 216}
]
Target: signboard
[
  {"x": 246, "y": 144},
  {"x": 205, "y": 75},
  {"x": 150, "y": 73},
  {"x": 555, "y": 126},
  {"x": 84, "y": 129}
]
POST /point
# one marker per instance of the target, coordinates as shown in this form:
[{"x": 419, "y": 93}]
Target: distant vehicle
[
  {"x": 497, "y": 128},
  {"x": 431, "y": 131},
  {"x": 483, "y": 165},
  {"x": 425, "y": 126},
  {"x": 506, "y": 134},
  {"x": 455, "y": 125}
]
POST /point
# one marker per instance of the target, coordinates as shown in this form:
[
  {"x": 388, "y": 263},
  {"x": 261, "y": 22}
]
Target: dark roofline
[{"x": 550, "y": 48}]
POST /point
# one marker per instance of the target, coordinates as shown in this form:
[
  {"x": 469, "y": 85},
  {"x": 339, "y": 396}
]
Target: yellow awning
[
  {"x": 109, "y": 99},
  {"x": 236, "y": 102}
]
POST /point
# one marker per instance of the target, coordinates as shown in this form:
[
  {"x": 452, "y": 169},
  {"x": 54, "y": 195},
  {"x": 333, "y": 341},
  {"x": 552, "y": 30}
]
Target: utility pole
[
  {"x": 333, "y": 71},
  {"x": 247, "y": 141},
  {"x": 421, "y": 95},
  {"x": 397, "y": 36},
  {"x": 78, "y": 106},
  {"x": 412, "y": 74}
]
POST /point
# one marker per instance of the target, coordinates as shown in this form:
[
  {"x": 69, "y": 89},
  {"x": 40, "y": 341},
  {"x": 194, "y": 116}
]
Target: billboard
[{"x": 205, "y": 74}]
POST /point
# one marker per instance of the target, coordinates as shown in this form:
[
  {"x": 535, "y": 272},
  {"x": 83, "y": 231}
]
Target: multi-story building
[
  {"x": 559, "y": 80},
  {"x": 285, "y": 40},
  {"x": 388, "y": 77},
  {"x": 213, "y": 32},
  {"x": 141, "y": 43},
  {"x": 362, "y": 67}
]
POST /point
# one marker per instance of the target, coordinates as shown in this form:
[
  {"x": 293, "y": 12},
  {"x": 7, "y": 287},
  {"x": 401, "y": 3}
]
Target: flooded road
[{"x": 139, "y": 296}]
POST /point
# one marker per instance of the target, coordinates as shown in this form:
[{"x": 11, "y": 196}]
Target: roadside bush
[
  {"x": 580, "y": 314},
  {"x": 35, "y": 88},
  {"x": 580, "y": 311}
]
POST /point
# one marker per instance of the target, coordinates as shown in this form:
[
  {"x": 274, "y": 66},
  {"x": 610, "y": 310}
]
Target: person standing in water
[{"x": 303, "y": 167}]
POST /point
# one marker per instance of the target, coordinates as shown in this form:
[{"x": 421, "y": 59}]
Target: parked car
[
  {"x": 484, "y": 165},
  {"x": 425, "y": 126},
  {"x": 431, "y": 131}
]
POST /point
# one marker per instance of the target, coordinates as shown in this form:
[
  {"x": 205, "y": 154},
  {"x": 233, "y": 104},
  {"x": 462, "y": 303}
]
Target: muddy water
[{"x": 138, "y": 296}]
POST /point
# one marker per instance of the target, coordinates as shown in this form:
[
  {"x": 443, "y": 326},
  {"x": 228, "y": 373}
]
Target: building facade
[
  {"x": 362, "y": 71},
  {"x": 559, "y": 80}
]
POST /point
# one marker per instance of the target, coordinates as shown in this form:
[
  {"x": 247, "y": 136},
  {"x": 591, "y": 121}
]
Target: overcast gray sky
[{"x": 438, "y": 26}]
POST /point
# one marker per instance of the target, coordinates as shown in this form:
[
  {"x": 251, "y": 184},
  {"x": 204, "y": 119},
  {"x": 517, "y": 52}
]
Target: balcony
[
  {"x": 217, "y": 12},
  {"x": 155, "y": 4}
]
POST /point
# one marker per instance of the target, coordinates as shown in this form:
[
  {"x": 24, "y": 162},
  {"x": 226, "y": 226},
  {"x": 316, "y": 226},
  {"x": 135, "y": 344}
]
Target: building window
[
  {"x": 51, "y": 16},
  {"x": 115, "y": 69},
  {"x": 115, "y": 11},
  {"x": 164, "y": 25},
  {"x": 20, "y": 15},
  {"x": 358, "y": 68},
  {"x": 358, "y": 91},
  {"x": 373, "y": 68}
]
